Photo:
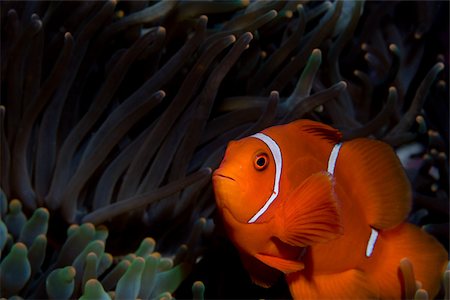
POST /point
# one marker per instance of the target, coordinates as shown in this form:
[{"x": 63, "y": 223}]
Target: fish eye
[{"x": 261, "y": 161}]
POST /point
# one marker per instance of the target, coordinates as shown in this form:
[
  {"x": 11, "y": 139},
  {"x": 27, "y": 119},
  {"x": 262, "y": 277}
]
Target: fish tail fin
[
  {"x": 310, "y": 214},
  {"x": 427, "y": 256},
  {"x": 371, "y": 172}
]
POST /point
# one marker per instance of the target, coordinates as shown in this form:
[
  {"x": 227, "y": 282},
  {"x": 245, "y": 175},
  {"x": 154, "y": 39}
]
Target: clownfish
[{"x": 329, "y": 215}]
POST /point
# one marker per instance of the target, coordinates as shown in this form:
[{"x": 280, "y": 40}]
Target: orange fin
[
  {"x": 284, "y": 265},
  {"x": 260, "y": 273},
  {"x": 318, "y": 129},
  {"x": 427, "y": 256},
  {"x": 373, "y": 175},
  {"x": 310, "y": 214},
  {"x": 350, "y": 284}
]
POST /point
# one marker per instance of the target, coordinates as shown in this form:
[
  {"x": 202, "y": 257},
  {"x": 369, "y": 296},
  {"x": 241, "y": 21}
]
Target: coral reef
[{"x": 116, "y": 112}]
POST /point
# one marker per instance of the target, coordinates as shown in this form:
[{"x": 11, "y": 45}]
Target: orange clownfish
[{"x": 330, "y": 215}]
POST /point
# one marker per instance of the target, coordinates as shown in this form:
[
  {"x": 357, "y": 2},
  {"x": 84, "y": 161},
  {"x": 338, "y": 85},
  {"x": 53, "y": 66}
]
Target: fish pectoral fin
[
  {"x": 310, "y": 214},
  {"x": 260, "y": 273},
  {"x": 284, "y": 265}
]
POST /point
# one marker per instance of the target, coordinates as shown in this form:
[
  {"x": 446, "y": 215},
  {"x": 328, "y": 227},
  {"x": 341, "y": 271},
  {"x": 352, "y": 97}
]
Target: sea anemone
[{"x": 115, "y": 113}]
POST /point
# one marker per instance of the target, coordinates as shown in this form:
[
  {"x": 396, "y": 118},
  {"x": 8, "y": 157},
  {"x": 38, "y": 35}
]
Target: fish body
[{"x": 329, "y": 215}]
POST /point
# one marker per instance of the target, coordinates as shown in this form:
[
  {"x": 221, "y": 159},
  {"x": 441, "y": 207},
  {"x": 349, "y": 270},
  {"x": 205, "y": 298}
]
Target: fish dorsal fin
[
  {"x": 372, "y": 174},
  {"x": 318, "y": 129},
  {"x": 310, "y": 214}
]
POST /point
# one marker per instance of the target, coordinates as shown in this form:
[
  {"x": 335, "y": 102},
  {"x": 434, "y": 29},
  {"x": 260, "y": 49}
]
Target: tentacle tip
[
  {"x": 420, "y": 119},
  {"x": 441, "y": 83},
  {"x": 71, "y": 271},
  {"x": 160, "y": 94},
  {"x": 35, "y": 17},
  {"x": 68, "y": 36},
  {"x": 316, "y": 52},
  {"x": 393, "y": 48},
  {"x": 20, "y": 246},
  {"x": 203, "y": 19},
  {"x": 343, "y": 84},
  {"x": 247, "y": 37},
  {"x": 12, "y": 13},
  {"x": 161, "y": 30},
  {"x": 274, "y": 94},
  {"x": 392, "y": 89},
  {"x": 232, "y": 38},
  {"x": 440, "y": 66},
  {"x": 273, "y": 13},
  {"x": 42, "y": 212},
  {"x": 442, "y": 156}
]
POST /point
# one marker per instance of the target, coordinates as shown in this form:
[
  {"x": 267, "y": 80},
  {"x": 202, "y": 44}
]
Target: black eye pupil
[{"x": 261, "y": 161}]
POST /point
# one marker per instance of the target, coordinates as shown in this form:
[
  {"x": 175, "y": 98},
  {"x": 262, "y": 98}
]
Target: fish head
[{"x": 245, "y": 178}]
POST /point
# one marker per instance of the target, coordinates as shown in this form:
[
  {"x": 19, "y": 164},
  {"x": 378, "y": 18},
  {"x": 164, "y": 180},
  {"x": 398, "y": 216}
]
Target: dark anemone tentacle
[
  {"x": 377, "y": 122},
  {"x": 189, "y": 9},
  {"x": 336, "y": 49},
  {"x": 268, "y": 116},
  {"x": 312, "y": 40},
  {"x": 251, "y": 26},
  {"x": 320, "y": 98},
  {"x": 242, "y": 103},
  {"x": 197, "y": 123},
  {"x": 15, "y": 75},
  {"x": 240, "y": 22},
  {"x": 365, "y": 91},
  {"x": 279, "y": 56},
  {"x": 416, "y": 105},
  {"x": 107, "y": 136},
  {"x": 142, "y": 200},
  {"x": 104, "y": 191},
  {"x": 229, "y": 120},
  {"x": 163, "y": 158},
  {"x": 5, "y": 157},
  {"x": 47, "y": 146},
  {"x": 150, "y": 14},
  {"x": 72, "y": 142},
  {"x": 206, "y": 100},
  {"x": 33, "y": 67},
  {"x": 21, "y": 176},
  {"x": 305, "y": 82},
  {"x": 12, "y": 34},
  {"x": 165, "y": 122}
]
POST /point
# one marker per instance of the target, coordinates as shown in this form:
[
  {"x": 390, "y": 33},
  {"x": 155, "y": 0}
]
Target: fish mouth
[{"x": 223, "y": 176}]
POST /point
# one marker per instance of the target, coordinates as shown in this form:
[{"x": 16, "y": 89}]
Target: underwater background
[{"x": 114, "y": 113}]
